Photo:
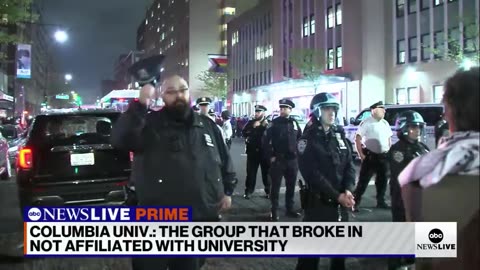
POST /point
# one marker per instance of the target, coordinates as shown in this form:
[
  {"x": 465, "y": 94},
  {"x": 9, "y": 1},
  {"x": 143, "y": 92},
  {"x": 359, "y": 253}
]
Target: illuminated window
[
  {"x": 146, "y": 22},
  {"x": 158, "y": 29},
  {"x": 306, "y": 27},
  {"x": 437, "y": 93},
  {"x": 158, "y": 6},
  {"x": 161, "y": 51},
  {"x": 234, "y": 38},
  {"x": 172, "y": 28},
  {"x": 152, "y": 14},
  {"x": 401, "y": 51},
  {"x": 437, "y": 2},
  {"x": 172, "y": 42},
  {"x": 270, "y": 50},
  {"x": 338, "y": 14},
  {"x": 330, "y": 59},
  {"x": 224, "y": 43},
  {"x": 186, "y": 62},
  {"x": 330, "y": 18},
  {"x": 162, "y": 37},
  {"x": 339, "y": 59},
  {"x": 312, "y": 24},
  {"x": 229, "y": 11},
  {"x": 224, "y": 26}
]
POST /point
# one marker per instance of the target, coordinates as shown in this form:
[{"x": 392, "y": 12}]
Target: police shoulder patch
[
  {"x": 301, "y": 146},
  {"x": 398, "y": 156}
]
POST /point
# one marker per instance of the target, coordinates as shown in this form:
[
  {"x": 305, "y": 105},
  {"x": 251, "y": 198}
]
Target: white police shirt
[{"x": 375, "y": 134}]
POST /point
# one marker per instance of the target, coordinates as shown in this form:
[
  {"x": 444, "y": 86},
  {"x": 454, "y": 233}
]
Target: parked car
[
  {"x": 5, "y": 168},
  {"x": 67, "y": 158},
  {"x": 11, "y": 132},
  {"x": 431, "y": 113}
]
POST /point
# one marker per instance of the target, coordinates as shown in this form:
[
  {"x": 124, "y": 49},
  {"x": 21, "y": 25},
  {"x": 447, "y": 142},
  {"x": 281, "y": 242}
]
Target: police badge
[
  {"x": 398, "y": 156},
  {"x": 301, "y": 146}
]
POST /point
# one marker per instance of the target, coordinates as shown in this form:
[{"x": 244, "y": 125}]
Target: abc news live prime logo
[{"x": 436, "y": 239}]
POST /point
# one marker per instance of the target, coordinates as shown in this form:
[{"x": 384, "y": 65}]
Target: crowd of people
[{"x": 182, "y": 158}]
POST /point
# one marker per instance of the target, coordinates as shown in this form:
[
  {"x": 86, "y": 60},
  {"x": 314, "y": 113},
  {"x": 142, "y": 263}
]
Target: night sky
[{"x": 99, "y": 31}]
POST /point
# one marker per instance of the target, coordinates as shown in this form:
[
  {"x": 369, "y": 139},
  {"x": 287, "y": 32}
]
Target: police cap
[
  {"x": 211, "y": 112},
  {"x": 147, "y": 70},
  {"x": 260, "y": 108},
  {"x": 286, "y": 103},
  {"x": 195, "y": 108},
  {"x": 377, "y": 105},
  {"x": 204, "y": 101}
]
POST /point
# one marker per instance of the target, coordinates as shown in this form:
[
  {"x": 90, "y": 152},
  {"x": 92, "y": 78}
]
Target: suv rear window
[
  {"x": 431, "y": 115},
  {"x": 62, "y": 130}
]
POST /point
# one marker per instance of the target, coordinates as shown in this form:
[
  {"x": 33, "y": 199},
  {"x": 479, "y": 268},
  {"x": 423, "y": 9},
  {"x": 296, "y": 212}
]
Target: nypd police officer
[
  {"x": 253, "y": 133},
  {"x": 410, "y": 127},
  {"x": 185, "y": 162},
  {"x": 375, "y": 133},
  {"x": 280, "y": 145},
  {"x": 325, "y": 162},
  {"x": 203, "y": 105}
]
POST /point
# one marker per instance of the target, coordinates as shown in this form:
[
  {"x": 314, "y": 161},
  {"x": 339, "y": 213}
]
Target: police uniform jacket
[
  {"x": 281, "y": 138},
  {"x": 185, "y": 163},
  {"x": 401, "y": 153},
  {"x": 325, "y": 161},
  {"x": 253, "y": 136}
]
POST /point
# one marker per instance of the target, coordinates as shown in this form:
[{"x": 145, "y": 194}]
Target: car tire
[{"x": 8, "y": 171}]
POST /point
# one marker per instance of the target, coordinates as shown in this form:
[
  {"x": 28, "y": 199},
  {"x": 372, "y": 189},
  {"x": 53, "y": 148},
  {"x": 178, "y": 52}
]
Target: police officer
[
  {"x": 280, "y": 145},
  {"x": 410, "y": 128},
  {"x": 376, "y": 135},
  {"x": 325, "y": 162},
  {"x": 203, "y": 104},
  {"x": 227, "y": 127},
  {"x": 253, "y": 133},
  {"x": 185, "y": 160},
  {"x": 147, "y": 73}
]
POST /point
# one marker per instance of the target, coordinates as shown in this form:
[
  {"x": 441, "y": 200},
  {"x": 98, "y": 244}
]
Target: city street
[{"x": 254, "y": 210}]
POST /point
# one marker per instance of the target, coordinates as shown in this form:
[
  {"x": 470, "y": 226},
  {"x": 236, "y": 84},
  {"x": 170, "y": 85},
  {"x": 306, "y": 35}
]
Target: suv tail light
[{"x": 25, "y": 158}]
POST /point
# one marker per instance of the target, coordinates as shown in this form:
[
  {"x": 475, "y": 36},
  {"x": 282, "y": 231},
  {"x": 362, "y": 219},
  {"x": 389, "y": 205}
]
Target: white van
[{"x": 431, "y": 113}]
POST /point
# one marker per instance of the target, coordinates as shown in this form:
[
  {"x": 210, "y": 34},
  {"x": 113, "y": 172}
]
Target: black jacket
[
  {"x": 401, "y": 153},
  {"x": 184, "y": 163},
  {"x": 253, "y": 136},
  {"x": 281, "y": 137},
  {"x": 325, "y": 161}
]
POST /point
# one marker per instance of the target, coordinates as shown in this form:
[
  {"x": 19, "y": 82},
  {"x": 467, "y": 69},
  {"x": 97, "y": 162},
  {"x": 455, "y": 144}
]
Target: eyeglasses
[{"x": 172, "y": 92}]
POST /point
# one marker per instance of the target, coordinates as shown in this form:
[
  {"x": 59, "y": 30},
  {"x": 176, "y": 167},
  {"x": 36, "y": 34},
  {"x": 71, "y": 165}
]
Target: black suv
[{"x": 68, "y": 159}]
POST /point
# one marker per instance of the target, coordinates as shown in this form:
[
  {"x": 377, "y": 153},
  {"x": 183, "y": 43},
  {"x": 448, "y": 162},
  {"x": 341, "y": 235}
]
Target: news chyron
[{"x": 170, "y": 231}]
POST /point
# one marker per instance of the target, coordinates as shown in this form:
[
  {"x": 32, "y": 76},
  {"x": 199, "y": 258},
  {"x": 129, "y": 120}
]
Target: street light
[
  {"x": 68, "y": 77},
  {"x": 61, "y": 36}
]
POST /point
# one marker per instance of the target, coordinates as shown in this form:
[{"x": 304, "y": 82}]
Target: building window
[
  {"x": 338, "y": 14},
  {"x": 401, "y": 51},
  {"x": 469, "y": 36},
  {"x": 424, "y": 4},
  {"x": 425, "y": 52},
  {"x": 330, "y": 17},
  {"x": 312, "y": 24},
  {"x": 234, "y": 38},
  {"x": 412, "y": 49},
  {"x": 412, "y": 6},
  {"x": 401, "y": 95},
  {"x": 158, "y": 29},
  {"x": 162, "y": 37},
  {"x": 437, "y": 93},
  {"x": 413, "y": 95},
  {"x": 229, "y": 11},
  {"x": 439, "y": 44},
  {"x": 437, "y": 2},
  {"x": 400, "y": 8},
  {"x": 306, "y": 29},
  {"x": 330, "y": 59},
  {"x": 339, "y": 59}
]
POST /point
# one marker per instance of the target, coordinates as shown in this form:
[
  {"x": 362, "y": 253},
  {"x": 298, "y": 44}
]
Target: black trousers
[
  {"x": 398, "y": 209},
  {"x": 164, "y": 263},
  {"x": 373, "y": 164},
  {"x": 279, "y": 169},
  {"x": 322, "y": 212},
  {"x": 253, "y": 162}
]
